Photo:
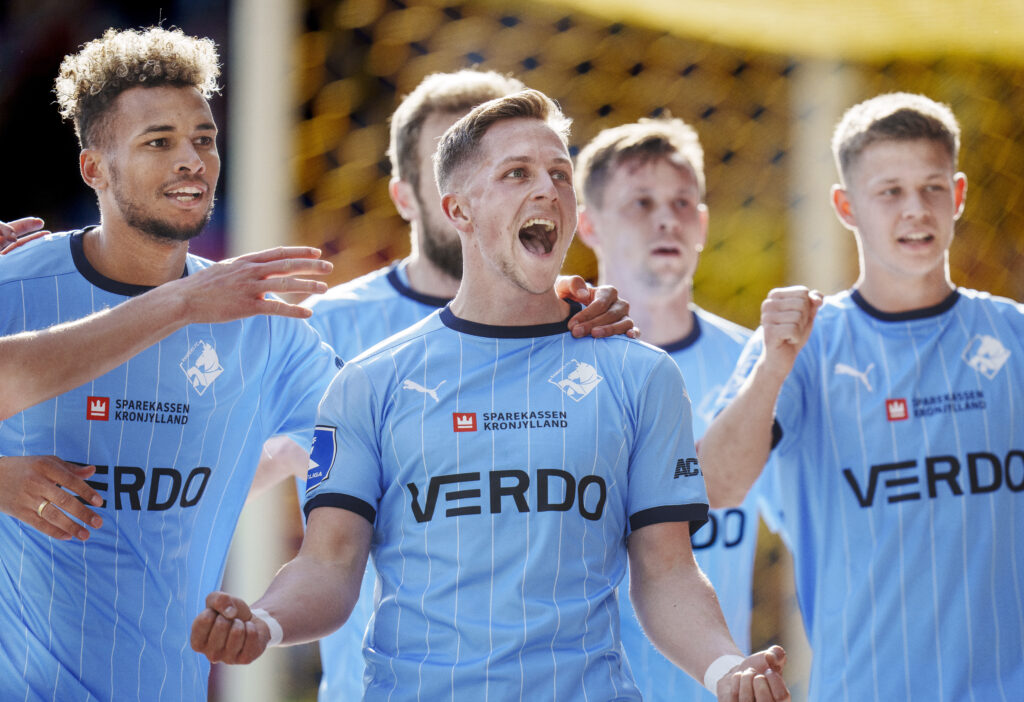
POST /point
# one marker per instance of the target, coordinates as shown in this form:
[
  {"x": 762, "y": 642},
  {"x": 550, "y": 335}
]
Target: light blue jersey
[
  {"x": 503, "y": 469},
  {"x": 898, "y": 482},
  {"x": 352, "y": 317},
  {"x": 175, "y": 435},
  {"x": 725, "y": 547}
]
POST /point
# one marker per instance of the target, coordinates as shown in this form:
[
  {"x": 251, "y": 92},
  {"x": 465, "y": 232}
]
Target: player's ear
[
  {"x": 843, "y": 208},
  {"x": 585, "y": 230},
  {"x": 959, "y": 194},
  {"x": 456, "y": 209},
  {"x": 404, "y": 197},
  {"x": 93, "y": 167}
]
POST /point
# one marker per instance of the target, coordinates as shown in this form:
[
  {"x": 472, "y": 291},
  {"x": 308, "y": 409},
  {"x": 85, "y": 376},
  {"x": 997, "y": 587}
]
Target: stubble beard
[
  {"x": 440, "y": 245},
  {"x": 159, "y": 229}
]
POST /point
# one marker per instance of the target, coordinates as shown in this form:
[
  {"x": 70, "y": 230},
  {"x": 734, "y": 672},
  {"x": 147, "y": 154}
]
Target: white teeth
[
  {"x": 916, "y": 236},
  {"x": 546, "y": 223}
]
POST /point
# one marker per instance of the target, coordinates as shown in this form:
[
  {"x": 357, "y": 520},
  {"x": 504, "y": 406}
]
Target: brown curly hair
[{"x": 90, "y": 81}]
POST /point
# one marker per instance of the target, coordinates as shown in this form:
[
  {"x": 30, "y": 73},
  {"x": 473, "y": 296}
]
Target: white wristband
[
  {"x": 276, "y": 632},
  {"x": 719, "y": 667}
]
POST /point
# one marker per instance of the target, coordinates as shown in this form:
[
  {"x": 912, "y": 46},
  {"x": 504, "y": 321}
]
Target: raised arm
[
  {"x": 737, "y": 443},
  {"x": 679, "y": 612},
  {"x": 311, "y": 596},
  {"x": 38, "y": 365}
]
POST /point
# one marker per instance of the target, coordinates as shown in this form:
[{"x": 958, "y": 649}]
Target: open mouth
[
  {"x": 666, "y": 250},
  {"x": 185, "y": 193},
  {"x": 538, "y": 235},
  {"x": 915, "y": 238}
]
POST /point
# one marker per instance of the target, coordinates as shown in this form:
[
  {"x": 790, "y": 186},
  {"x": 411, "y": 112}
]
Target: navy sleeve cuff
[
  {"x": 696, "y": 514},
  {"x": 352, "y": 504}
]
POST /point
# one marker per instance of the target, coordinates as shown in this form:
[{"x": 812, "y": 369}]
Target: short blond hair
[
  {"x": 893, "y": 117},
  {"x": 668, "y": 138},
  {"x": 460, "y": 143},
  {"x": 90, "y": 81},
  {"x": 439, "y": 93}
]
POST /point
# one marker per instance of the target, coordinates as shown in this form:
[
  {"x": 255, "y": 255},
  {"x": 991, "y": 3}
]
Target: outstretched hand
[
  {"x": 238, "y": 287},
  {"x": 758, "y": 678},
  {"x": 20, "y": 231},
  {"x": 41, "y": 491},
  {"x": 226, "y": 631},
  {"x": 604, "y": 313}
]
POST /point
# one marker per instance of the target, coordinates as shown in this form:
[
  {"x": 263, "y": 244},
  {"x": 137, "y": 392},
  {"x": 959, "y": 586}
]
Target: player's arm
[
  {"x": 604, "y": 313},
  {"x": 310, "y": 597},
  {"x": 20, "y": 231},
  {"x": 737, "y": 443},
  {"x": 38, "y": 365},
  {"x": 679, "y": 612},
  {"x": 281, "y": 458}
]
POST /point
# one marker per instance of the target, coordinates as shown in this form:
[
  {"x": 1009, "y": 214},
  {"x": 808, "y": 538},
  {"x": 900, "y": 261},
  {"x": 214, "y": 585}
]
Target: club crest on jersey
[
  {"x": 321, "y": 456},
  {"x": 201, "y": 366},
  {"x": 986, "y": 354},
  {"x": 576, "y": 379},
  {"x": 97, "y": 408}
]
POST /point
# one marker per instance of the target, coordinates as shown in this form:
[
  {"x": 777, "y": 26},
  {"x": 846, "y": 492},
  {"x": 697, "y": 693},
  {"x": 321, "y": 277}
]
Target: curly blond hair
[{"x": 90, "y": 81}]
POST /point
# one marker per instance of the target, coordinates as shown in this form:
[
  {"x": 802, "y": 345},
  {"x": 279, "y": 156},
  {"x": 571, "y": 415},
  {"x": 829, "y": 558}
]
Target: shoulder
[
  {"x": 713, "y": 325},
  {"x": 428, "y": 328},
  {"x": 45, "y": 257},
  {"x": 372, "y": 287},
  {"x": 1002, "y": 306}
]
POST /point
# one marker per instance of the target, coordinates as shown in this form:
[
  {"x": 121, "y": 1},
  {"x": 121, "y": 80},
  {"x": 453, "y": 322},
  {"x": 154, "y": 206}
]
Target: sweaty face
[
  {"x": 440, "y": 241},
  {"x": 651, "y": 225},
  {"x": 522, "y": 204},
  {"x": 904, "y": 198},
  {"x": 162, "y": 161}
]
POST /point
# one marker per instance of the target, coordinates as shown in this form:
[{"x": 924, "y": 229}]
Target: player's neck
[
  {"x": 662, "y": 316},
  {"x": 426, "y": 278},
  {"x": 502, "y": 303},
  {"x": 894, "y": 294},
  {"x": 126, "y": 255}
]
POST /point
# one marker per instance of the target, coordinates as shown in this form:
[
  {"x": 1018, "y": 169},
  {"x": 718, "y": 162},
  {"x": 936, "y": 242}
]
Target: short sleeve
[{"x": 665, "y": 480}]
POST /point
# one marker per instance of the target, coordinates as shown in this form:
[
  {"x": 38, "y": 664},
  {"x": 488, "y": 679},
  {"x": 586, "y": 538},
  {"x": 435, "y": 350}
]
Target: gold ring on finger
[{"x": 41, "y": 507}]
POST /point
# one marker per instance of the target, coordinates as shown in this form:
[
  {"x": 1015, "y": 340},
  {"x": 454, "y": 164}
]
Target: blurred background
[{"x": 309, "y": 85}]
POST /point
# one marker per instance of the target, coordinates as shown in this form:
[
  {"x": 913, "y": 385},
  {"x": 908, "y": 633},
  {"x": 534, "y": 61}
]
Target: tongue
[{"x": 537, "y": 239}]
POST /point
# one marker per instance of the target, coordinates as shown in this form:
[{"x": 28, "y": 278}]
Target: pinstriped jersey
[
  {"x": 175, "y": 435},
  {"x": 503, "y": 468},
  {"x": 352, "y": 317},
  {"x": 725, "y": 547},
  {"x": 898, "y": 484}
]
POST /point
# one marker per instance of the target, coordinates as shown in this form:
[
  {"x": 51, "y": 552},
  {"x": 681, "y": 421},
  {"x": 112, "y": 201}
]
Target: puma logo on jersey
[
  {"x": 576, "y": 379},
  {"x": 862, "y": 376},
  {"x": 201, "y": 366},
  {"x": 986, "y": 354},
  {"x": 413, "y": 385}
]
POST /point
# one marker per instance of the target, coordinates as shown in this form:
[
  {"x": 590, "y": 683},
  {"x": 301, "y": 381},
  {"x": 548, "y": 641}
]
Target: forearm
[
  {"x": 738, "y": 441},
  {"x": 38, "y": 365},
  {"x": 675, "y": 603},
  {"x": 313, "y": 594}
]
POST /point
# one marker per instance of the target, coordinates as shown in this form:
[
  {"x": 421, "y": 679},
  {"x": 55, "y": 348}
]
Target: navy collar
[
  {"x": 399, "y": 285},
  {"x": 687, "y": 341},
  {"x": 98, "y": 279},
  {"x": 923, "y": 313},
  {"x": 499, "y": 332}
]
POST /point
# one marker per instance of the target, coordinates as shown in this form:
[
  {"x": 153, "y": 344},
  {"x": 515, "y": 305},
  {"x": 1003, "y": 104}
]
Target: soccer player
[
  {"x": 503, "y": 472},
  {"x": 353, "y": 316},
  {"x": 175, "y": 432},
  {"x": 641, "y": 187},
  {"x": 892, "y": 413}
]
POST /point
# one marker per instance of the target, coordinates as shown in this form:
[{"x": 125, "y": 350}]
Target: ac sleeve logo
[{"x": 321, "y": 456}]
